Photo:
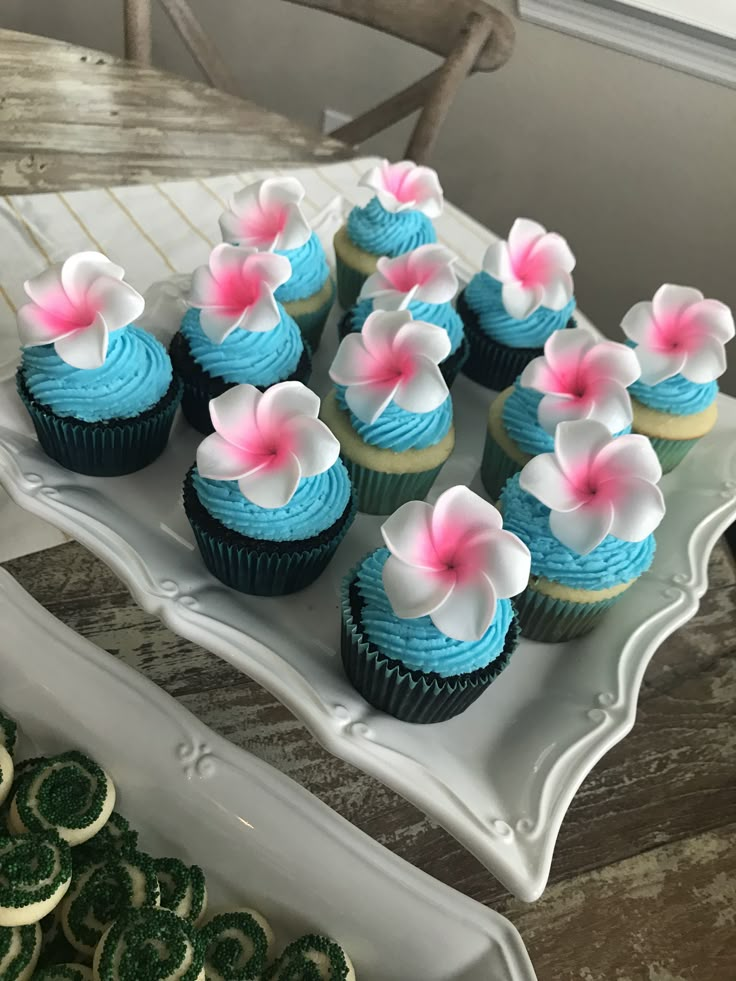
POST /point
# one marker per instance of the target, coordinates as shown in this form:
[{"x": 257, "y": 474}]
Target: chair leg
[
  {"x": 450, "y": 76},
  {"x": 387, "y": 113},
  {"x": 137, "y": 22}
]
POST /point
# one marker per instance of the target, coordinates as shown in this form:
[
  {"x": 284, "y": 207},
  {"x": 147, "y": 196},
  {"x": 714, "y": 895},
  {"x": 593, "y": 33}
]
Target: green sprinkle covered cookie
[
  {"x": 183, "y": 888},
  {"x": 149, "y": 945},
  {"x": 312, "y": 958},
  {"x": 69, "y": 793},
  {"x": 8, "y": 733},
  {"x": 237, "y": 946},
  {"x": 7, "y": 771},
  {"x": 116, "y": 838},
  {"x": 64, "y": 972},
  {"x": 19, "y": 950},
  {"x": 35, "y": 872}
]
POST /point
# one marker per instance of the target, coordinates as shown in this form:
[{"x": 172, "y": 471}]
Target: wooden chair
[{"x": 469, "y": 34}]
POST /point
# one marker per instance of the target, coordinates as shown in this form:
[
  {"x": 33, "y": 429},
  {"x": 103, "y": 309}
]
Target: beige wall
[{"x": 632, "y": 162}]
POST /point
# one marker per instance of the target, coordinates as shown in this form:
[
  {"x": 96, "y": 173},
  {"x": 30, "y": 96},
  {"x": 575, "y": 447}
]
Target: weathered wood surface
[
  {"x": 643, "y": 884},
  {"x": 71, "y": 118}
]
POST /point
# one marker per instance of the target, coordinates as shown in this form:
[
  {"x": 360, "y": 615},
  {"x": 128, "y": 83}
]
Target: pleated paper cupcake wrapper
[
  {"x": 312, "y": 324},
  {"x": 266, "y": 571},
  {"x": 496, "y": 467},
  {"x": 102, "y": 449},
  {"x": 195, "y": 401},
  {"x": 349, "y": 283},
  {"x": 671, "y": 452},
  {"x": 553, "y": 621},
  {"x": 411, "y": 696},
  {"x": 381, "y": 493}
]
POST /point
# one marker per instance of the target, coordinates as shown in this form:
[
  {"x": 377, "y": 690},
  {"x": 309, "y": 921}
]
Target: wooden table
[
  {"x": 643, "y": 884},
  {"x": 72, "y": 118}
]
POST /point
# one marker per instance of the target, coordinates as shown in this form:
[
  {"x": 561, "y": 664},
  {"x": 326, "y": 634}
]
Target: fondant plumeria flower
[
  {"x": 582, "y": 377},
  {"x": 405, "y": 186},
  {"x": 394, "y": 358},
  {"x": 267, "y": 441},
  {"x": 236, "y": 290},
  {"x": 424, "y": 275},
  {"x": 75, "y": 305},
  {"x": 452, "y": 562},
  {"x": 267, "y": 215},
  {"x": 679, "y": 332},
  {"x": 596, "y": 484},
  {"x": 534, "y": 266}
]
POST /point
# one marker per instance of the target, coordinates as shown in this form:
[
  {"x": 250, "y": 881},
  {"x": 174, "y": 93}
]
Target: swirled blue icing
[
  {"x": 399, "y": 430},
  {"x": 418, "y": 643},
  {"x": 316, "y": 505},
  {"x": 256, "y": 358},
  {"x": 521, "y": 421},
  {"x": 483, "y": 296},
  {"x": 135, "y": 375},
  {"x": 309, "y": 271},
  {"x": 382, "y": 232},
  {"x": 612, "y": 563},
  {"x": 676, "y": 395},
  {"x": 444, "y": 315}
]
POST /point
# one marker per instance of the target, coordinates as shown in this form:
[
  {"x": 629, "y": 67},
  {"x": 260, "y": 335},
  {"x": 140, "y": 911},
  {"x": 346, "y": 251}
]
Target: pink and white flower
[
  {"x": 236, "y": 290},
  {"x": 267, "y": 441},
  {"x": 582, "y": 377},
  {"x": 405, "y": 186},
  {"x": 596, "y": 485},
  {"x": 452, "y": 562},
  {"x": 267, "y": 216},
  {"x": 424, "y": 275},
  {"x": 679, "y": 332},
  {"x": 534, "y": 266},
  {"x": 75, "y": 305},
  {"x": 394, "y": 358}
]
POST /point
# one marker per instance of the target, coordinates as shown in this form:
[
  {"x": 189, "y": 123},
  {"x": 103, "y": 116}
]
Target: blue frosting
[
  {"x": 382, "y": 232},
  {"x": 676, "y": 395},
  {"x": 483, "y": 296},
  {"x": 418, "y": 643},
  {"x": 136, "y": 374},
  {"x": 612, "y": 563},
  {"x": 521, "y": 422},
  {"x": 444, "y": 315},
  {"x": 256, "y": 358},
  {"x": 399, "y": 430},
  {"x": 309, "y": 271},
  {"x": 316, "y": 505}
]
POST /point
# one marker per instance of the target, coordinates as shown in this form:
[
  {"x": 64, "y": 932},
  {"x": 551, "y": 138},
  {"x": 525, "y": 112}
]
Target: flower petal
[
  {"x": 670, "y": 300},
  {"x": 657, "y": 366},
  {"x": 230, "y": 227},
  {"x": 539, "y": 375},
  {"x": 425, "y": 390},
  {"x": 584, "y": 529},
  {"x": 554, "y": 409},
  {"x": 544, "y": 479},
  {"x": 631, "y": 455},
  {"x": 233, "y": 415},
  {"x": 218, "y": 323},
  {"x": 710, "y": 317},
  {"x": 423, "y": 186},
  {"x": 638, "y": 508},
  {"x": 523, "y": 235},
  {"x": 519, "y": 301},
  {"x": 706, "y": 363},
  {"x": 314, "y": 445},
  {"x": 380, "y": 329},
  {"x": 228, "y": 260},
  {"x": 432, "y": 266},
  {"x": 609, "y": 403},
  {"x": 577, "y": 444},
  {"x": 458, "y": 514},
  {"x": 221, "y": 459},
  {"x": 35, "y": 327},
  {"x": 117, "y": 302},
  {"x": 352, "y": 363},
  {"x": 408, "y": 535},
  {"x": 84, "y": 348},
  {"x": 417, "y": 337},
  {"x": 377, "y": 282},
  {"x": 608, "y": 359},
  {"x": 263, "y": 315},
  {"x": 284, "y": 401},
  {"x": 203, "y": 289},
  {"x": 552, "y": 253},
  {"x": 497, "y": 262},
  {"x": 368, "y": 401},
  {"x": 284, "y": 191},
  {"x": 502, "y": 557},
  {"x": 46, "y": 289},
  {"x": 468, "y": 611},
  {"x": 412, "y": 592},
  {"x": 79, "y": 271},
  {"x": 272, "y": 486},
  {"x": 558, "y": 292},
  {"x": 272, "y": 269},
  {"x": 638, "y": 322}
]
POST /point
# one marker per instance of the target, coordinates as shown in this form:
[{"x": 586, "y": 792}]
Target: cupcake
[
  {"x": 267, "y": 216},
  {"x": 236, "y": 332},
  {"x": 679, "y": 340},
  {"x": 391, "y": 410},
  {"x": 396, "y": 220},
  {"x": 424, "y": 283},
  {"x": 578, "y": 377},
  {"x": 100, "y": 392},
  {"x": 587, "y": 512},
  {"x": 268, "y": 500},
  {"x": 427, "y": 623},
  {"x": 522, "y": 296}
]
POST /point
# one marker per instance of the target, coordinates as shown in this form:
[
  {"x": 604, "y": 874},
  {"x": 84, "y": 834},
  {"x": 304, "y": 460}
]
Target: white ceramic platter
[
  {"x": 260, "y": 838},
  {"x": 499, "y": 777}
]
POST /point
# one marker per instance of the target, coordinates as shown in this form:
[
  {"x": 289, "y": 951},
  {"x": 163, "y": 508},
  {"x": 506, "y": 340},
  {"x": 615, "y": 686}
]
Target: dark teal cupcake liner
[
  {"x": 490, "y": 363},
  {"x": 262, "y": 568},
  {"x": 103, "y": 449},
  {"x": 672, "y": 452},
  {"x": 408, "y": 695},
  {"x": 200, "y": 387},
  {"x": 496, "y": 467},
  {"x": 349, "y": 283},
  {"x": 312, "y": 324},
  {"x": 553, "y": 621},
  {"x": 381, "y": 493}
]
